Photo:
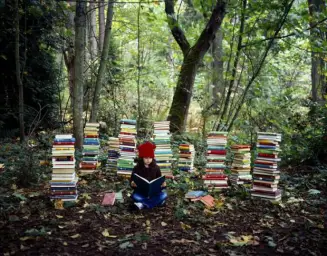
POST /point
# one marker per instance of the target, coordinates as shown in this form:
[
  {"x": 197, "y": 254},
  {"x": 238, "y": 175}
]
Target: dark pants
[{"x": 150, "y": 202}]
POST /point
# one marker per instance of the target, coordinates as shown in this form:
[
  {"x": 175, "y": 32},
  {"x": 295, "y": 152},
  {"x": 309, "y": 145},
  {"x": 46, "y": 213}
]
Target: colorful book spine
[
  {"x": 266, "y": 173},
  {"x": 127, "y": 147},
  {"x": 113, "y": 154},
  {"x": 241, "y": 165},
  {"x": 215, "y": 177},
  {"x": 163, "y": 153},
  {"x": 186, "y": 157},
  {"x": 63, "y": 183},
  {"x": 91, "y": 149}
]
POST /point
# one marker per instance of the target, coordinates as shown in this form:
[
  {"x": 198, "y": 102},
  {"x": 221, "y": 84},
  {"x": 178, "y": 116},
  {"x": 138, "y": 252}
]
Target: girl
[{"x": 148, "y": 169}]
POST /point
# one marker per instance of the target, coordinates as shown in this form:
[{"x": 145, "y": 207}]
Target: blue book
[{"x": 148, "y": 188}]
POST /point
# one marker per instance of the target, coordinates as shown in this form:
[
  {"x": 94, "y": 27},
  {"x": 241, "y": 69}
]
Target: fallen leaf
[
  {"x": 24, "y": 238},
  {"x": 61, "y": 226},
  {"x": 75, "y": 236},
  {"x": 313, "y": 192},
  {"x": 59, "y": 216},
  {"x": 126, "y": 245},
  {"x": 85, "y": 245},
  {"x": 185, "y": 226},
  {"x": 183, "y": 241},
  {"x": 59, "y": 204},
  {"x": 219, "y": 203},
  {"x": 163, "y": 224},
  {"x": 65, "y": 243},
  {"x": 21, "y": 197},
  {"x": 105, "y": 233},
  {"x": 147, "y": 222},
  {"x": 86, "y": 196},
  {"x": 81, "y": 211}
]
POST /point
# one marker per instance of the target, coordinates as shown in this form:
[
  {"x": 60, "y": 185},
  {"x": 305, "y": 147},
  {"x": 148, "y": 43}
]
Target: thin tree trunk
[
  {"x": 217, "y": 67},
  {"x": 261, "y": 62},
  {"x": 236, "y": 61},
  {"x": 139, "y": 112},
  {"x": 92, "y": 30},
  {"x": 318, "y": 78},
  {"x": 103, "y": 63},
  {"x": 80, "y": 27},
  {"x": 101, "y": 25},
  {"x": 192, "y": 57},
  {"x": 69, "y": 55},
  {"x": 18, "y": 76}
]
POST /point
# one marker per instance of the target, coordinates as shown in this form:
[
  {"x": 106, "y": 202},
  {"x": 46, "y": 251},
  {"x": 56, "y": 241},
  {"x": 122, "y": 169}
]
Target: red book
[
  {"x": 109, "y": 199},
  {"x": 267, "y": 155},
  {"x": 208, "y": 200},
  {"x": 240, "y": 146},
  {"x": 266, "y": 163},
  {"x": 217, "y": 152},
  {"x": 63, "y": 143}
]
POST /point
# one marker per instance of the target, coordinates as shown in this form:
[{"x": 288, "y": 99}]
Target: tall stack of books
[
  {"x": 186, "y": 157},
  {"x": 63, "y": 181},
  {"x": 113, "y": 154},
  {"x": 241, "y": 166},
  {"x": 215, "y": 177},
  {"x": 163, "y": 152},
  {"x": 127, "y": 146},
  {"x": 266, "y": 173},
  {"x": 91, "y": 149}
]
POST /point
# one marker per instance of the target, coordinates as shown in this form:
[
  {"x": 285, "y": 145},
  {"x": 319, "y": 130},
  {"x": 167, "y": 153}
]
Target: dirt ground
[{"x": 239, "y": 225}]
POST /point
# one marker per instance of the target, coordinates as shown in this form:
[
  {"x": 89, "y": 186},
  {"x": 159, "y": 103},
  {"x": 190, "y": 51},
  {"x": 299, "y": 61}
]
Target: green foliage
[{"x": 22, "y": 164}]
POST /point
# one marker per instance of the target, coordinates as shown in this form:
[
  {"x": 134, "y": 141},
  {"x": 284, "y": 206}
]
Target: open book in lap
[{"x": 148, "y": 188}]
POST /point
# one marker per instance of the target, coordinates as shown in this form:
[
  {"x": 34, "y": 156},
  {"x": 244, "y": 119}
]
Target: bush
[{"x": 22, "y": 164}]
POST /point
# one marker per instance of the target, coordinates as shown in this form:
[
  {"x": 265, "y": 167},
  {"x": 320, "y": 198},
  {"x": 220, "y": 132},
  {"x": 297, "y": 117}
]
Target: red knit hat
[{"x": 146, "y": 150}]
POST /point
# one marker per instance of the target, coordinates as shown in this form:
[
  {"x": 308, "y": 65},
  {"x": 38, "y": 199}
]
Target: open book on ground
[{"x": 148, "y": 188}]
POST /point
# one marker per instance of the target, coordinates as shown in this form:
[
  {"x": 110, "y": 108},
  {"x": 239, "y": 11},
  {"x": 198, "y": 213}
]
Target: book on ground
[
  {"x": 148, "y": 188},
  {"x": 109, "y": 199}
]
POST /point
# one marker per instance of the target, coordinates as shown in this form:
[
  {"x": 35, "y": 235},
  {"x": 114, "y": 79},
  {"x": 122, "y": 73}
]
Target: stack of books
[
  {"x": 266, "y": 173},
  {"x": 127, "y": 146},
  {"x": 186, "y": 157},
  {"x": 163, "y": 152},
  {"x": 215, "y": 177},
  {"x": 241, "y": 166},
  {"x": 63, "y": 181},
  {"x": 113, "y": 154},
  {"x": 91, "y": 149}
]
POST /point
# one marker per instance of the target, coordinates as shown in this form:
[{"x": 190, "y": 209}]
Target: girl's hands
[
  {"x": 133, "y": 184},
  {"x": 164, "y": 184}
]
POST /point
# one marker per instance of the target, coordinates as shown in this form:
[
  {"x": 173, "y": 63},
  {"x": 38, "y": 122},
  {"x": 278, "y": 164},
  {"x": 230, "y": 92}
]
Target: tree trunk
[
  {"x": 18, "y": 76},
  {"x": 80, "y": 27},
  {"x": 217, "y": 67},
  {"x": 92, "y": 30},
  {"x": 101, "y": 25},
  {"x": 236, "y": 61},
  {"x": 192, "y": 57},
  {"x": 183, "y": 94},
  {"x": 69, "y": 55},
  {"x": 103, "y": 63},
  {"x": 318, "y": 69}
]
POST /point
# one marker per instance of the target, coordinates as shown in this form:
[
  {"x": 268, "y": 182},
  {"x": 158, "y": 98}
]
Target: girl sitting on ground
[{"x": 148, "y": 169}]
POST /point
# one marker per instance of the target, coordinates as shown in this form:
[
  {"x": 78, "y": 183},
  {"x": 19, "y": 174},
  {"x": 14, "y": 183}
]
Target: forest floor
[{"x": 239, "y": 225}]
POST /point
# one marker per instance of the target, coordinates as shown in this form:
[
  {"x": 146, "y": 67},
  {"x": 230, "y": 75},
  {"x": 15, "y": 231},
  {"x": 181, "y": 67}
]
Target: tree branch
[
  {"x": 261, "y": 62},
  {"x": 208, "y": 34},
  {"x": 282, "y": 37},
  {"x": 177, "y": 32}
]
